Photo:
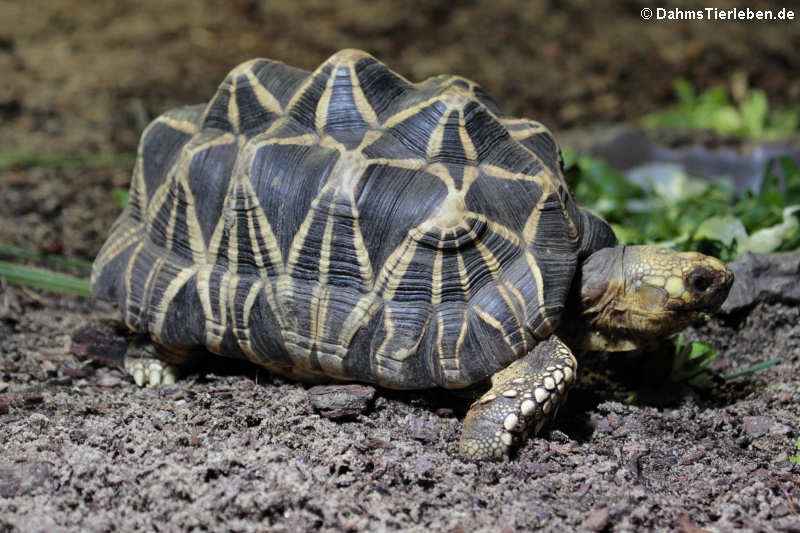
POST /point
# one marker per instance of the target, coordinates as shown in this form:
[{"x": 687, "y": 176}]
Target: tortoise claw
[{"x": 150, "y": 372}]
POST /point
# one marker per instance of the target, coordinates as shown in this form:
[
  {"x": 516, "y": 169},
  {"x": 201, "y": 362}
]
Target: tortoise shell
[{"x": 348, "y": 224}]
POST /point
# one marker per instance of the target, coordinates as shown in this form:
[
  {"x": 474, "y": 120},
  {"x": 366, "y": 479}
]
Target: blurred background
[{"x": 81, "y": 79}]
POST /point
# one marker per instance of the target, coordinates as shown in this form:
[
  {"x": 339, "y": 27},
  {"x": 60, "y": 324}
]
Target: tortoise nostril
[{"x": 699, "y": 282}]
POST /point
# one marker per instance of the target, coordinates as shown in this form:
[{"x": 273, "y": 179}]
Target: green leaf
[{"x": 725, "y": 229}]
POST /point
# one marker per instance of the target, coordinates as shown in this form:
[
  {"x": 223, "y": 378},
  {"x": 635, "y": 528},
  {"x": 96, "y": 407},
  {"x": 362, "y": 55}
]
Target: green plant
[
  {"x": 713, "y": 110},
  {"x": 687, "y": 213},
  {"x": 796, "y": 458}
]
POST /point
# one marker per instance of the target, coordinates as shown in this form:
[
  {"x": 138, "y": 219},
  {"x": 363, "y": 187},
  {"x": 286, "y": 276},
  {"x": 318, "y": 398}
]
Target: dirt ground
[{"x": 234, "y": 449}]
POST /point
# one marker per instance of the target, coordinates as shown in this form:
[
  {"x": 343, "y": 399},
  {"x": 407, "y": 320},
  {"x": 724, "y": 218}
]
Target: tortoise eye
[{"x": 699, "y": 282}]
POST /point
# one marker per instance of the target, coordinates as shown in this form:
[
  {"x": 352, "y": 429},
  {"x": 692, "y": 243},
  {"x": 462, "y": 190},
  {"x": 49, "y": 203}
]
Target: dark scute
[
  {"x": 486, "y": 132},
  {"x": 390, "y": 202},
  {"x": 246, "y": 257},
  {"x": 415, "y": 131},
  {"x": 159, "y": 223},
  {"x": 412, "y": 324},
  {"x": 181, "y": 244},
  {"x": 417, "y": 282},
  {"x": 452, "y": 149},
  {"x": 265, "y": 333},
  {"x": 286, "y": 180},
  {"x": 209, "y": 177},
  {"x": 386, "y": 146},
  {"x": 279, "y": 79},
  {"x": 484, "y": 351},
  {"x": 512, "y": 157},
  {"x": 452, "y": 291},
  {"x": 382, "y": 87},
  {"x": 305, "y": 107},
  {"x": 308, "y": 260},
  {"x": 556, "y": 254},
  {"x": 160, "y": 147},
  {"x": 216, "y": 117},
  {"x": 544, "y": 146},
  {"x": 359, "y": 361},
  {"x": 446, "y": 334},
  {"x": 509, "y": 202},
  {"x": 253, "y": 117},
  {"x": 595, "y": 232},
  {"x": 344, "y": 121},
  {"x": 484, "y": 98},
  {"x": 184, "y": 323},
  {"x": 344, "y": 270}
]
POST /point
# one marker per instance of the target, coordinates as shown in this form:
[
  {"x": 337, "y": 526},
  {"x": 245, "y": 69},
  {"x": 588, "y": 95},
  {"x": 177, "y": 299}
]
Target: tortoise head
[{"x": 631, "y": 296}]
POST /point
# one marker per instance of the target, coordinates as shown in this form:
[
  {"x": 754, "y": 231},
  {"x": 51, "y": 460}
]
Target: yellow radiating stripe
[
  {"x": 436, "y": 289},
  {"x": 410, "y": 163},
  {"x": 395, "y": 268},
  {"x": 521, "y": 300},
  {"x": 264, "y": 97},
  {"x": 399, "y": 117},
  {"x": 152, "y": 275},
  {"x": 466, "y": 141},
  {"x": 441, "y": 171},
  {"x": 321, "y": 113},
  {"x": 173, "y": 216},
  {"x": 361, "y": 313},
  {"x": 493, "y": 322},
  {"x": 233, "y": 107},
  {"x": 232, "y": 252},
  {"x": 462, "y": 275},
  {"x": 537, "y": 277},
  {"x": 180, "y": 279},
  {"x": 362, "y": 104},
  {"x": 440, "y": 338},
  {"x": 435, "y": 140},
  {"x": 307, "y": 139},
  {"x": 139, "y": 186},
  {"x": 114, "y": 246},
  {"x": 532, "y": 224},
  {"x": 128, "y": 277},
  {"x": 271, "y": 243},
  {"x": 181, "y": 125},
  {"x": 362, "y": 254},
  {"x": 204, "y": 291},
  {"x": 243, "y": 334},
  {"x": 543, "y": 178}
]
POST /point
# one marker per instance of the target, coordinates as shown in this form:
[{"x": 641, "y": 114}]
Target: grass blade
[{"x": 40, "y": 278}]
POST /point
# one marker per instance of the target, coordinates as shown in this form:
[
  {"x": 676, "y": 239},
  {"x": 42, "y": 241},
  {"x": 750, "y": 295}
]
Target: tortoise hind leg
[
  {"x": 523, "y": 395},
  {"x": 152, "y": 364}
]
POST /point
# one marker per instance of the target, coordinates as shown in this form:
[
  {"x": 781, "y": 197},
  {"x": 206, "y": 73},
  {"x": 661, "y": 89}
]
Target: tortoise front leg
[{"x": 523, "y": 395}]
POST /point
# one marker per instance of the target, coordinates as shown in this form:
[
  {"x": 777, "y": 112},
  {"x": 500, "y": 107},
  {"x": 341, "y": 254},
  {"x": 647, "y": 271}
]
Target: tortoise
[{"x": 347, "y": 224}]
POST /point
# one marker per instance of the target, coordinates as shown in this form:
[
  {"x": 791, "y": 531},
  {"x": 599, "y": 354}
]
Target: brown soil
[{"x": 83, "y": 449}]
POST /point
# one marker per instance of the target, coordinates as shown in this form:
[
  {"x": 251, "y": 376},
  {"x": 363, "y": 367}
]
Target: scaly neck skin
[{"x": 596, "y": 317}]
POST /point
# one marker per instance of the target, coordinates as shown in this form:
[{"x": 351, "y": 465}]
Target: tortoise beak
[{"x": 710, "y": 281}]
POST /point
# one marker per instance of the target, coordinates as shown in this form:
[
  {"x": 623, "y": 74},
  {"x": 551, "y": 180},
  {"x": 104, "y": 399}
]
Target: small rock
[
  {"x": 755, "y": 426},
  {"x": 339, "y": 401},
  {"x": 100, "y": 342},
  {"x": 423, "y": 467},
  {"x": 22, "y": 478},
  {"x": 424, "y": 430},
  {"x": 597, "y": 520},
  {"x": 758, "y": 278}
]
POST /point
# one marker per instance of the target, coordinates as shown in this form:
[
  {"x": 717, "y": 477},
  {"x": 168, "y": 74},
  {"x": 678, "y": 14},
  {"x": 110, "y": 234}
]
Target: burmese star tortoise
[{"x": 347, "y": 224}]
